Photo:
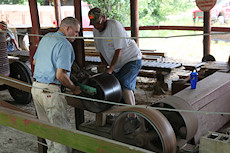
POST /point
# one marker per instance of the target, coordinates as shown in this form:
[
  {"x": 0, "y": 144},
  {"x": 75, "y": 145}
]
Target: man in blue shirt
[
  {"x": 53, "y": 60},
  {"x": 10, "y": 39}
]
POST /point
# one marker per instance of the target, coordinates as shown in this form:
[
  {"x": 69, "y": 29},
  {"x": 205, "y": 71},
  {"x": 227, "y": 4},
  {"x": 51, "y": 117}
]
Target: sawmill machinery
[
  {"x": 166, "y": 130},
  {"x": 154, "y": 133},
  {"x": 177, "y": 123}
]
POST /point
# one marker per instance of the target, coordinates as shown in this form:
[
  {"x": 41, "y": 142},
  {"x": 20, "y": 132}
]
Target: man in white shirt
[{"x": 121, "y": 55}]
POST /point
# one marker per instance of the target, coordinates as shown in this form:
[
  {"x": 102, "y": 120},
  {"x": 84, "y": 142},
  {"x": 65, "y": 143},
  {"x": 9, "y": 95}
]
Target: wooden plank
[
  {"x": 76, "y": 139},
  {"x": 151, "y": 57},
  {"x": 90, "y": 48},
  {"x": 153, "y": 53},
  {"x": 15, "y": 83},
  {"x": 216, "y": 65},
  {"x": 148, "y": 50},
  {"x": 19, "y": 53},
  {"x": 91, "y": 53},
  {"x": 12, "y": 107}
]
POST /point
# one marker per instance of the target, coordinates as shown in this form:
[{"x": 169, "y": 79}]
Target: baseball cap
[
  {"x": 94, "y": 15},
  {"x": 3, "y": 23}
]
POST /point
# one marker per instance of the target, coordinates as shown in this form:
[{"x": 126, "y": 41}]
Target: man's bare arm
[
  {"x": 64, "y": 79},
  {"x": 34, "y": 62},
  {"x": 115, "y": 60},
  {"x": 103, "y": 61}
]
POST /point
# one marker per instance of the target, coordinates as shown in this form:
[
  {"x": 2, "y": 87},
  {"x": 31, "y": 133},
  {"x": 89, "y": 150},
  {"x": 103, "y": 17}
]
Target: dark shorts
[{"x": 128, "y": 74}]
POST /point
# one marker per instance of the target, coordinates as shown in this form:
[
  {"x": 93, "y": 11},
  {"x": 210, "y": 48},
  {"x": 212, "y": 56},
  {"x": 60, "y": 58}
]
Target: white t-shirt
[{"x": 107, "y": 47}]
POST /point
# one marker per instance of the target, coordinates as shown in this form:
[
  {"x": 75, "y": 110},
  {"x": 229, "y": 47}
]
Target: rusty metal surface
[
  {"x": 185, "y": 124},
  {"x": 211, "y": 94},
  {"x": 154, "y": 133},
  {"x": 209, "y": 88},
  {"x": 4, "y": 62}
]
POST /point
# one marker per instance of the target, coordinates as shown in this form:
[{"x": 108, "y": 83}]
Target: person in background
[
  {"x": 53, "y": 60},
  {"x": 121, "y": 55},
  {"x": 10, "y": 39}
]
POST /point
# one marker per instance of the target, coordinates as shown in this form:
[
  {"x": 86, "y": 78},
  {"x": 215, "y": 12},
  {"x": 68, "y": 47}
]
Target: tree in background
[
  {"x": 151, "y": 12},
  {"x": 20, "y": 2},
  {"x": 114, "y": 9}
]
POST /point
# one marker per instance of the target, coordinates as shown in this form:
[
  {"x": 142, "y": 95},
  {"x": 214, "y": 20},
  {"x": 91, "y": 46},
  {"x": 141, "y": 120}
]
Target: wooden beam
[
  {"x": 57, "y": 6},
  {"x": 34, "y": 40},
  {"x": 76, "y": 139},
  {"x": 186, "y": 28},
  {"x": 134, "y": 19},
  {"x": 78, "y": 44},
  {"x": 15, "y": 83},
  {"x": 12, "y": 107},
  {"x": 207, "y": 30}
]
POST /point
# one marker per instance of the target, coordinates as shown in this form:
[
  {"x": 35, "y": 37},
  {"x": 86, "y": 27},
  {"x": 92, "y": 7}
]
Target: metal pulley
[
  {"x": 4, "y": 62},
  {"x": 185, "y": 124},
  {"x": 101, "y": 86},
  {"x": 108, "y": 88}
]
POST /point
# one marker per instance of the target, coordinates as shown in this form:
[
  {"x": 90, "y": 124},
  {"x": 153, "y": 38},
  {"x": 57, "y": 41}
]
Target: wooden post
[
  {"x": 57, "y": 6},
  {"x": 100, "y": 119},
  {"x": 80, "y": 57},
  {"x": 134, "y": 20},
  {"x": 34, "y": 40},
  {"x": 79, "y": 43},
  {"x": 207, "y": 30}
]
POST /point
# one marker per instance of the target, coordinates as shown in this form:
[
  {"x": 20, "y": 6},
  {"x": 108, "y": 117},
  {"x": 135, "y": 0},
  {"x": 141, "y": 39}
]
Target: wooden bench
[
  {"x": 147, "y": 54},
  {"x": 153, "y": 56}
]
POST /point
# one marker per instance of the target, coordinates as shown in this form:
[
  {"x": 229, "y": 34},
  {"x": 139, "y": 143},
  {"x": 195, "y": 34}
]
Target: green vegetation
[
  {"x": 20, "y": 2},
  {"x": 151, "y": 12}
]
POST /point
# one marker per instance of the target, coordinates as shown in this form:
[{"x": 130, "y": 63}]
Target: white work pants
[{"x": 51, "y": 107}]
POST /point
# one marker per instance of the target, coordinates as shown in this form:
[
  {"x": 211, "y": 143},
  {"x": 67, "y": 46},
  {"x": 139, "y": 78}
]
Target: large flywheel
[
  {"x": 153, "y": 132},
  {"x": 20, "y": 71}
]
